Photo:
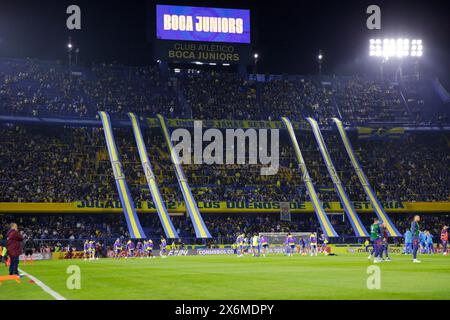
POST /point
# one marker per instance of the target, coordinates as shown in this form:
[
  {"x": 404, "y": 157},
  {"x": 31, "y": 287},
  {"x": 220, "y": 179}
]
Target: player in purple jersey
[
  {"x": 130, "y": 249},
  {"x": 163, "y": 248},
  {"x": 117, "y": 248},
  {"x": 290, "y": 245},
  {"x": 264, "y": 245},
  {"x": 140, "y": 250},
  {"x": 148, "y": 248},
  {"x": 302, "y": 248},
  {"x": 91, "y": 250},
  {"x": 86, "y": 249}
]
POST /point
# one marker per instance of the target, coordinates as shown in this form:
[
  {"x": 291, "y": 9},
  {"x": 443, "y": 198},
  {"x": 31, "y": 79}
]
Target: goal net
[{"x": 278, "y": 238}]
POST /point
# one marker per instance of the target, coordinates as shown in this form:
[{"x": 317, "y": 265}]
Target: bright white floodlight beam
[{"x": 399, "y": 48}]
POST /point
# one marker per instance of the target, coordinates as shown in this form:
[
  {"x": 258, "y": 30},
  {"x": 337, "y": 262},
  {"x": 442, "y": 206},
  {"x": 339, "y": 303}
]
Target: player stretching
[
  {"x": 117, "y": 248},
  {"x": 264, "y": 245},
  {"x": 313, "y": 244},
  {"x": 86, "y": 250},
  {"x": 385, "y": 244},
  {"x": 444, "y": 239},
  {"x": 375, "y": 238},
  {"x": 415, "y": 230},
  {"x": 162, "y": 248}
]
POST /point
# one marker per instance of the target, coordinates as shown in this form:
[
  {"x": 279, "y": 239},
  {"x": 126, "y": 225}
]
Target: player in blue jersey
[
  {"x": 415, "y": 230},
  {"x": 313, "y": 244},
  {"x": 264, "y": 245},
  {"x": 423, "y": 242},
  {"x": 117, "y": 248},
  {"x": 408, "y": 242},
  {"x": 163, "y": 248},
  {"x": 429, "y": 242}
]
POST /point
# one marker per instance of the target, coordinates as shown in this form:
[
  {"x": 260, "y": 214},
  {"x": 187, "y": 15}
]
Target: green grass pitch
[{"x": 229, "y": 277}]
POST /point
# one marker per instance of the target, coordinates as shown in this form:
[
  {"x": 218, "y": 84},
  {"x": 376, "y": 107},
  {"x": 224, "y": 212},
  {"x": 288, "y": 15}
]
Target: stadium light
[{"x": 395, "y": 48}]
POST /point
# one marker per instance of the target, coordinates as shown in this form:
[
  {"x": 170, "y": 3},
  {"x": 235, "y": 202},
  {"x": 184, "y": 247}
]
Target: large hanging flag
[
  {"x": 191, "y": 205},
  {"x": 358, "y": 227},
  {"x": 163, "y": 214},
  {"x": 134, "y": 226},
  {"x": 382, "y": 215},
  {"x": 325, "y": 223}
]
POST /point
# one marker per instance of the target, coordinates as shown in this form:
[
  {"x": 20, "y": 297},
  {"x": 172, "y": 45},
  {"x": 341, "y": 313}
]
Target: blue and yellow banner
[
  {"x": 199, "y": 225},
  {"x": 392, "y": 230},
  {"x": 358, "y": 227},
  {"x": 134, "y": 226},
  {"x": 166, "y": 222},
  {"x": 325, "y": 223},
  {"x": 178, "y": 208}
]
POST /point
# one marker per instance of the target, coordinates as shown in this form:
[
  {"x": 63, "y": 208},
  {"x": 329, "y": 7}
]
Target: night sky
[{"x": 286, "y": 34}]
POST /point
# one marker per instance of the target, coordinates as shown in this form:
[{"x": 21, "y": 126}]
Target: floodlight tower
[
  {"x": 319, "y": 61},
  {"x": 255, "y": 60},
  {"x": 390, "y": 49},
  {"x": 69, "y": 51}
]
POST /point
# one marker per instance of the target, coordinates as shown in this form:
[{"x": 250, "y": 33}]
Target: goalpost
[{"x": 278, "y": 238}]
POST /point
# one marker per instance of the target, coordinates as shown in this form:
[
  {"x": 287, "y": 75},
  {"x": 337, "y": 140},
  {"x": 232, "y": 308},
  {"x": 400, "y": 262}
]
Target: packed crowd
[
  {"x": 43, "y": 164},
  {"x": 36, "y": 88}
]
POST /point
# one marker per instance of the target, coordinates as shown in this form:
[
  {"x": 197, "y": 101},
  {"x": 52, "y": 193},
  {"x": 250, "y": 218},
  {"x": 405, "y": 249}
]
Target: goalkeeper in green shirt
[{"x": 375, "y": 239}]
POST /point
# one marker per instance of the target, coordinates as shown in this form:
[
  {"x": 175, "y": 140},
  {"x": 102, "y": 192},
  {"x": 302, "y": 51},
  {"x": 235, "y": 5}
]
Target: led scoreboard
[{"x": 198, "y": 34}]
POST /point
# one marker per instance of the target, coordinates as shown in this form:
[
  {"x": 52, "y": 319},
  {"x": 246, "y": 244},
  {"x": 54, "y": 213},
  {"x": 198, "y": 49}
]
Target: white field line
[{"x": 43, "y": 286}]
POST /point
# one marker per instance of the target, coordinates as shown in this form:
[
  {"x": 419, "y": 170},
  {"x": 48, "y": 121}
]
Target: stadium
[{"x": 181, "y": 152}]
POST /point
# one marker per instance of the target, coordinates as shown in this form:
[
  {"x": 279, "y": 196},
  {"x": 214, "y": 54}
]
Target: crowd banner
[
  {"x": 325, "y": 223},
  {"x": 191, "y": 205},
  {"x": 358, "y": 227},
  {"x": 166, "y": 222},
  {"x": 378, "y": 208},
  {"x": 134, "y": 226},
  {"x": 178, "y": 208}
]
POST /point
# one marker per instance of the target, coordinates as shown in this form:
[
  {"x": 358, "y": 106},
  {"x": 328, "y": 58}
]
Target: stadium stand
[{"x": 66, "y": 164}]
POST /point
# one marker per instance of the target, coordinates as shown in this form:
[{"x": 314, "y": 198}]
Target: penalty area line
[{"x": 43, "y": 286}]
